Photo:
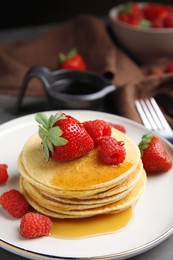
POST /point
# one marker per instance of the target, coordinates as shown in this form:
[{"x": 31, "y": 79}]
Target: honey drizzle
[{"x": 93, "y": 226}]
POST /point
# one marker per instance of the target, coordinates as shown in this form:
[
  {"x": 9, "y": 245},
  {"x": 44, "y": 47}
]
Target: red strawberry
[
  {"x": 3, "y": 173},
  {"x": 155, "y": 11},
  {"x": 130, "y": 14},
  {"x": 112, "y": 152},
  {"x": 14, "y": 202},
  {"x": 158, "y": 23},
  {"x": 72, "y": 60},
  {"x": 168, "y": 21},
  {"x": 121, "y": 128},
  {"x": 156, "y": 71},
  {"x": 169, "y": 67},
  {"x": 134, "y": 8},
  {"x": 97, "y": 129},
  {"x": 134, "y": 20},
  {"x": 149, "y": 15},
  {"x": 154, "y": 155},
  {"x": 123, "y": 17},
  {"x": 35, "y": 225},
  {"x": 63, "y": 137},
  {"x": 131, "y": 8}
]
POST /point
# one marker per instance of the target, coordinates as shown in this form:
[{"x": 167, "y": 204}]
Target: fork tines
[{"x": 151, "y": 115}]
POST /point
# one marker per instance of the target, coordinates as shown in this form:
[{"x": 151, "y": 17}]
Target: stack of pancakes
[{"x": 83, "y": 187}]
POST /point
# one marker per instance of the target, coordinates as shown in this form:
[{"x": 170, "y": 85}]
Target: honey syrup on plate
[{"x": 93, "y": 226}]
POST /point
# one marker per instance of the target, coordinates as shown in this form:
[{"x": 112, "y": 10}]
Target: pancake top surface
[{"x": 86, "y": 172}]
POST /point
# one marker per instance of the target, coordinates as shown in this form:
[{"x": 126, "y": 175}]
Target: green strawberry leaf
[
  {"x": 41, "y": 119},
  {"x": 41, "y": 133},
  {"x": 145, "y": 23},
  {"x": 62, "y": 57},
  {"x": 50, "y": 145},
  {"x": 54, "y": 136},
  {"x": 126, "y": 8},
  {"x": 54, "y": 132},
  {"x": 72, "y": 53},
  {"x": 46, "y": 150},
  {"x": 61, "y": 141},
  {"x": 145, "y": 142},
  {"x": 52, "y": 120}
]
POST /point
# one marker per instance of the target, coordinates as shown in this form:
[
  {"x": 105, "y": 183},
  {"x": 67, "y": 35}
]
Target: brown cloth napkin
[
  {"x": 159, "y": 87},
  {"x": 102, "y": 55}
]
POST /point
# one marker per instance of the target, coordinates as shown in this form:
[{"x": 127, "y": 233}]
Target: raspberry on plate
[
  {"x": 3, "y": 173},
  {"x": 35, "y": 225},
  {"x": 14, "y": 203}
]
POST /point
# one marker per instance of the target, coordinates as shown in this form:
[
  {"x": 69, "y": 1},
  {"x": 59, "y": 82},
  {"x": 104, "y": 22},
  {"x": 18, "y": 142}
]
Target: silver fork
[{"x": 153, "y": 118}]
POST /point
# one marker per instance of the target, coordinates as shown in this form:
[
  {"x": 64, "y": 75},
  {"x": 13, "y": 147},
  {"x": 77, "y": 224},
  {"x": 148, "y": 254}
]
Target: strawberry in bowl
[
  {"x": 145, "y": 30},
  {"x": 151, "y": 15}
]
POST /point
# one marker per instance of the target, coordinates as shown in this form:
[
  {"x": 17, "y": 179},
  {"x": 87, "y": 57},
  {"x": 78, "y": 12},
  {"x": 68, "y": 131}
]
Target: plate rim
[{"x": 125, "y": 254}]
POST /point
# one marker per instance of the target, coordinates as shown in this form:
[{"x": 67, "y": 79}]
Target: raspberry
[
  {"x": 3, "y": 173},
  {"x": 121, "y": 128},
  {"x": 34, "y": 225},
  {"x": 112, "y": 151},
  {"x": 97, "y": 129},
  {"x": 14, "y": 202}
]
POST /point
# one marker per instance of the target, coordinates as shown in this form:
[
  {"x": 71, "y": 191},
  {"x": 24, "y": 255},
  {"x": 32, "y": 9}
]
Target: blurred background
[
  {"x": 22, "y": 20},
  {"x": 35, "y": 12}
]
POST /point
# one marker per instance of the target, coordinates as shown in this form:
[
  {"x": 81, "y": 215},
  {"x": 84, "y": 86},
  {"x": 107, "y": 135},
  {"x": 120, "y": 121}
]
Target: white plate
[{"x": 153, "y": 216}]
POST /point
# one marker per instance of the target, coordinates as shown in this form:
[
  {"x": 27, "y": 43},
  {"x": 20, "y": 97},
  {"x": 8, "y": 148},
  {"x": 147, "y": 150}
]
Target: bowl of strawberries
[{"x": 145, "y": 30}]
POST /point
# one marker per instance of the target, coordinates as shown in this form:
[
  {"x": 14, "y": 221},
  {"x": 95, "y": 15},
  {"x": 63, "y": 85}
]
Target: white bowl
[{"x": 147, "y": 45}]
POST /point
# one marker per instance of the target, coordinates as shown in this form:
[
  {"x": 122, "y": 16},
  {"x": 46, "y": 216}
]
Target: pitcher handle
[{"x": 40, "y": 72}]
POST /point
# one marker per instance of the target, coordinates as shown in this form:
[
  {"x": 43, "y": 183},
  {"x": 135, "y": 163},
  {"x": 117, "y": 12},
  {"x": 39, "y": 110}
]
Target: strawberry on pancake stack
[{"x": 72, "y": 169}]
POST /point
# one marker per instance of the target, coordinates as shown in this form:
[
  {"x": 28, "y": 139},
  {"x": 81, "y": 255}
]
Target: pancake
[
  {"x": 112, "y": 195},
  {"x": 65, "y": 193},
  {"x": 112, "y": 208},
  {"x": 59, "y": 206},
  {"x": 66, "y": 205},
  {"x": 81, "y": 177}
]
